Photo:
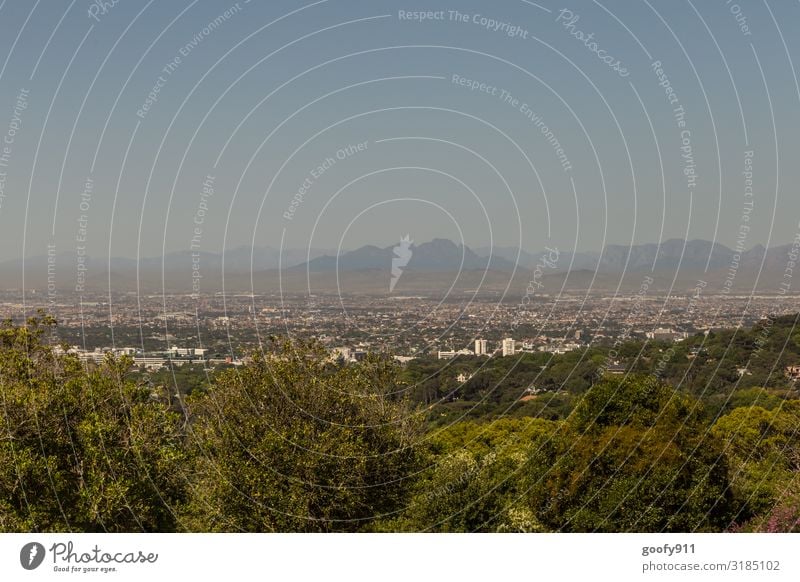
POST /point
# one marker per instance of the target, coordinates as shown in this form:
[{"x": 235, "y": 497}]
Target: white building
[
  {"x": 450, "y": 354},
  {"x": 666, "y": 334},
  {"x": 560, "y": 348},
  {"x": 509, "y": 347},
  {"x": 481, "y": 347},
  {"x": 188, "y": 352},
  {"x": 151, "y": 363}
]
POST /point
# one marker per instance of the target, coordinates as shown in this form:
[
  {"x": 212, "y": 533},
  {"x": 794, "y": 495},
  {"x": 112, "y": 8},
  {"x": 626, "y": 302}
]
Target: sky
[{"x": 134, "y": 128}]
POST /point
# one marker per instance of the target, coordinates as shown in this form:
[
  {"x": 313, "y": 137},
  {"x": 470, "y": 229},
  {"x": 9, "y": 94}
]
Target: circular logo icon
[{"x": 31, "y": 555}]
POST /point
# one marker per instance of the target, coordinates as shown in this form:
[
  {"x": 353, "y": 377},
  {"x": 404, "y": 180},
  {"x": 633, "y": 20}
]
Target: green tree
[
  {"x": 474, "y": 481},
  {"x": 633, "y": 456},
  {"x": 82, "y": 450},
  {"x": 763, "y": 452},
  {"x": 292, "y": 442}
]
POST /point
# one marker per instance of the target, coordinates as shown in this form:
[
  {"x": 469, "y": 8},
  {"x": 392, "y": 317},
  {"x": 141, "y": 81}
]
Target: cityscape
[
  {"x": 176, "y": 329},
  {"x": 401, "y": 270}
]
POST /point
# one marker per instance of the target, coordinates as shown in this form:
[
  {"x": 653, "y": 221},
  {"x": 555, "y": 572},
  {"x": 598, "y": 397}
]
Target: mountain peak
[{"x": 439, "y": 254}]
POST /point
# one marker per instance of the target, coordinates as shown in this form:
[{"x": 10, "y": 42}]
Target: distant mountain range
[
  {"x": 672, "y": 254},
  {"x": 445, "y": 255},
  {"x": 429, "y": 261},
  {"x": 436, "y": 255},
  {"x": 234, "y": 260}
]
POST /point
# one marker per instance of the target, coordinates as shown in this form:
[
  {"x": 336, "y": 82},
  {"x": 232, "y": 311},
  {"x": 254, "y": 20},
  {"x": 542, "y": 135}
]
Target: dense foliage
[
  {"x": 83, "y": 450},
  {"x": 294, "y": 441}
]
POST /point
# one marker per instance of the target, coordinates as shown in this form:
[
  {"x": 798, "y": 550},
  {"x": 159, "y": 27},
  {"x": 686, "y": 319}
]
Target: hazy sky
[{"x": 139, "y": 126}]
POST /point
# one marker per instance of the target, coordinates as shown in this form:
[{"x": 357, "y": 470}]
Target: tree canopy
[{"x": 294, "y": 441}]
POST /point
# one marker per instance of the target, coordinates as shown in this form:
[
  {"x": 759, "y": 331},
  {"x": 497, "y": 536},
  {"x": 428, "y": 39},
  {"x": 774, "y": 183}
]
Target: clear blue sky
[{"x": 262, "y": 95}]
